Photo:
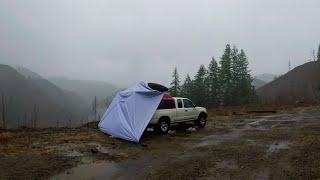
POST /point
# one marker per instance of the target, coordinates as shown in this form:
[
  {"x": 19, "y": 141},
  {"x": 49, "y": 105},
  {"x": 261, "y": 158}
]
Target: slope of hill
[
  {"x": 26, "y": 103},
  {"x": 86, "y": 89},
  {"x": 70, "y": 101},
  {"x": 266, "y": 77},
  {"x": 300, "y": 84},
  {"x": 257, "y": 83}
]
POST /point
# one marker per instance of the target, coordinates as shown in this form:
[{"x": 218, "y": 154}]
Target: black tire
[
  {"x": 201, "y": 121},
  {"x": 163, "y": 126}
]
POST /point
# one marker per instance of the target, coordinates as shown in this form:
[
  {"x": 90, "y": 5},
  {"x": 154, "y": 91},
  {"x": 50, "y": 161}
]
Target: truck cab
[{"x": 175, "y": 110}]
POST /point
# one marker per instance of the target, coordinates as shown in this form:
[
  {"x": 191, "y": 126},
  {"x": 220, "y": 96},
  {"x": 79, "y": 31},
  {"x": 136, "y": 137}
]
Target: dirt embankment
[{"x": 239, "y": 145}]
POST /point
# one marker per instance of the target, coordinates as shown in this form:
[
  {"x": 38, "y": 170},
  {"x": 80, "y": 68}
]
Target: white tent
[{"x": 130, "y": 112}]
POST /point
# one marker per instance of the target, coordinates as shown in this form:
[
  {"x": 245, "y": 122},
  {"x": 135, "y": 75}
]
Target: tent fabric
[{"x": 130, "y": 112}]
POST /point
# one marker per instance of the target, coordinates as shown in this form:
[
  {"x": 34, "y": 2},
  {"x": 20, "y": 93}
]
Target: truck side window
[
  {"x": 167, "y": 104},
  {"x": 179, "y": 103},
  {"x": 187, "y": 103}
]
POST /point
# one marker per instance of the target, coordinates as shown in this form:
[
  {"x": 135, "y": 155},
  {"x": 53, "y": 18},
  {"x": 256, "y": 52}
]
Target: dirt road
[
  {"x": 275, "y": 146},
  {"x": 280, "y": 146}
]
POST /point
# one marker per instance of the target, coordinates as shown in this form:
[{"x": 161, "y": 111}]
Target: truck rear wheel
[
  {"x": 163, "y": 126},
  {"x": 201, "y": 121}
]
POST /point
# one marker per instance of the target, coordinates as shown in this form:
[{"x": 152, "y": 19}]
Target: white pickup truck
[{"x": 174, "y": 110}]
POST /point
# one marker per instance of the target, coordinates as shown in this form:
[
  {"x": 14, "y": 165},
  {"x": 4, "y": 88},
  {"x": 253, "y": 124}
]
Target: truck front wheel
[
  {"x": 201, "y": 121},
  {"x": 163, "y": 125}
]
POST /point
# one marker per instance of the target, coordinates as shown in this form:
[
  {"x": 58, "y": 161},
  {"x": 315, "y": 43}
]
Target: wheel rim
[
  {"x": 164, "y": 126},
  {"x": 202, "y": 121}
]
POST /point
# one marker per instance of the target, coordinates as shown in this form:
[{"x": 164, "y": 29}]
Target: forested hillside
[
  {"x": 70, "y": 101},
  {"x": 27, "y": 99},
  {"x": 25, "y": 104}
]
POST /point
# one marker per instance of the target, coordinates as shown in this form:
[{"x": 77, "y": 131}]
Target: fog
[{"x": 127, "y": 41}]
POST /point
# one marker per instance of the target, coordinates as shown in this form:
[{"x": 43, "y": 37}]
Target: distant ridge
[
  {"x": 23, "y": 99},
  {"x": 257, "y": 83},
  {"x": 266, "y": 77},
  {"x": 26, "y": 72},
  {"x": 87, "y": 89},
  {"x": 300, "y": 84},
  {"x": 33, "y": 101},
  {"x": 68, "y": 100}
]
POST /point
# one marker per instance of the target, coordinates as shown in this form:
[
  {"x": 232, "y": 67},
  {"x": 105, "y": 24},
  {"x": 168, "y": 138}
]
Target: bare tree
[
  {"x": 3, "y": 110},
  {"x": 57, "y": 123},
  {"x": 69, "y": 122},
  {"x": 94, "y": 108},
  {"x": 313, "y": 55},
  {"x": 289, "y": 66},
  {"x": 25, "y": 119},
  {"x": 35, "y": 116}
]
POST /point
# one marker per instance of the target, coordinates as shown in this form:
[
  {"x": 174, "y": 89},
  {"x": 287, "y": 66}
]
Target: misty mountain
[
  {"x": 30, "y": 102},
  {"x": 68, "y": 100},
  {"x": 257, "y": 83},
  {"x": 300, "y": 84},
  {"x": 86, "y": 89},
  {"x": 266, "y": 77},
  {"x": 26, "y": 72}
]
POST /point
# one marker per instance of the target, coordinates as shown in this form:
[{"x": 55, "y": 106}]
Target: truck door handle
[{"x": 186, "y": 110}]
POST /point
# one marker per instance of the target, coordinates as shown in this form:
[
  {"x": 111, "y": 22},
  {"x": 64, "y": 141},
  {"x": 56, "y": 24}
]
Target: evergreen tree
[
  {"x": 227, "y": 84},
  {"x": 213, "y": 83},
  {"x": 242, "y": 88},
  {"x": 199, "y": 87},
  {"x": 186, "y": 89},
  {"x": 318, "y": 54},
  {"x": 235, "y": 74},
  {"x": 175, "y": 84},
  {"x": 225, "y": 77}
]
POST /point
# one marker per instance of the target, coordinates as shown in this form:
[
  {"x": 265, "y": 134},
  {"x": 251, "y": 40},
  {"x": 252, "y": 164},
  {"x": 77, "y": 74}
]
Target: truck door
[
  {"x": 190, "y": 110},
  {"x": 180, "y": 111}
]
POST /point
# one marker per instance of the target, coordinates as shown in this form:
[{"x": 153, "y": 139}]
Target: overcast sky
[{"x": 123, "y": 41}]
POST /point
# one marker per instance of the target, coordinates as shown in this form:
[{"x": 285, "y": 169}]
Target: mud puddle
[
  {"x": 101, "y": 170},
  {"x": 227, "y": 165},
  {"x": 217, "y": 139},
  {"x": 276, "y": 147}
]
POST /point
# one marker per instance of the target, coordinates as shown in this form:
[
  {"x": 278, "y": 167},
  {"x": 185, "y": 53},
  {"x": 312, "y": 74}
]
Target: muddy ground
[{"x": 285, "y": 145}]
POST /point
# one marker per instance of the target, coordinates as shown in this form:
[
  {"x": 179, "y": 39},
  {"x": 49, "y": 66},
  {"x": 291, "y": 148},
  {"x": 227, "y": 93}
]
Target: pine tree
[
  {"x": 213, "y": 83},
  {"x": 199, "y": 87},
  {"x": 175, "y": 84},
  {"x": 318, "y": 54},
  {"x": 242, "y": 88},
  {"x": 186, "y": 89},
  {"x": 236, "y": 75},
  {"x": 225, "y": 77}
]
